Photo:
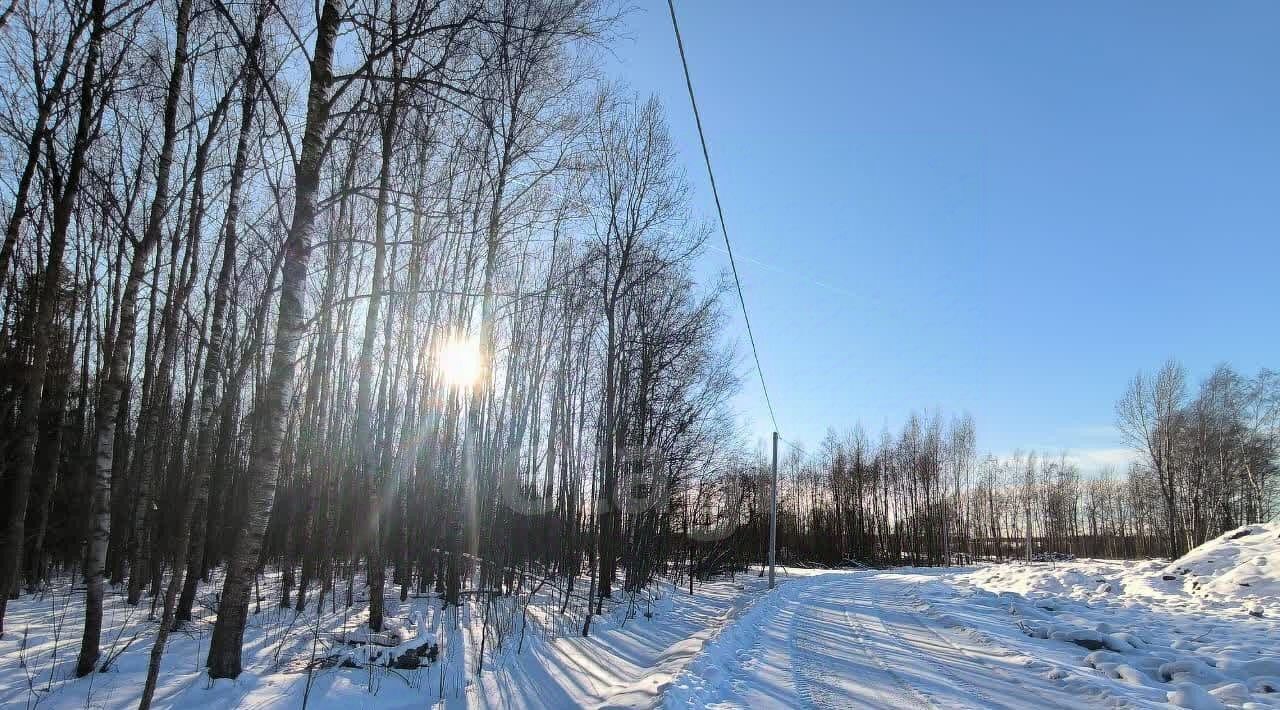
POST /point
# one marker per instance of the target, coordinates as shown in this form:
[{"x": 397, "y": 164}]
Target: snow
[
  {"x": 1242, "y": 566},
  {"x": 870, "y": 639},
  {"x": 1202, "y": 629},
  {"x": 635, "y": 648},
  {"x": 1082, "y": 634},
  {"x": 1190, "y": 695},
  {"x": 1078, "y": 634}
]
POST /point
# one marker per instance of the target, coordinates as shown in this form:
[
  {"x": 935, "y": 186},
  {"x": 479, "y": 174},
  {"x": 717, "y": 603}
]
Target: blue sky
[{"x": 1000, "y": 208}]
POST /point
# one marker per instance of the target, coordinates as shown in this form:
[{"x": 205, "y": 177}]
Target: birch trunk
[
  {"x": 116, "y": 380},
  {"x": 365, "y": 460},
  {"x": 264, "y": 458},
  {"x": 33, "y": 380}
]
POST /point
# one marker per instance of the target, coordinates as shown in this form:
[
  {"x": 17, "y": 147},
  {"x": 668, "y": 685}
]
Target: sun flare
[{"x": 460, "y": 361}]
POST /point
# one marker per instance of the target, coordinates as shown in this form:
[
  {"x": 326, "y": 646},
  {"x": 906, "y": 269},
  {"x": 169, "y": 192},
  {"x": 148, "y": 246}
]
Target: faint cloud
[
  {"x": 1101, "y": 446},
  {"x": 1094, "y": 460}
]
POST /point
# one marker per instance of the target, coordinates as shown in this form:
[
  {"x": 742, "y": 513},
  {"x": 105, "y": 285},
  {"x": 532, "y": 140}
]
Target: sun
[{"x": 460, "y": 361}]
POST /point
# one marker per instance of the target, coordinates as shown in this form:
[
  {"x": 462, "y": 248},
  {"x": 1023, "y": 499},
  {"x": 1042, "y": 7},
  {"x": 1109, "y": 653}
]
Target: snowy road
[
  {"x": 884, "y": 640},
  {"x": 1199, "y": 632}
]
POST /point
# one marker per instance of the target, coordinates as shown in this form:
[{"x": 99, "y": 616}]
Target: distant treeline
[{"x": 1203, "y": 465}]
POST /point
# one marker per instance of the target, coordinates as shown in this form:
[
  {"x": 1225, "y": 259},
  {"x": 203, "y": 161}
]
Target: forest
[
  {"x": 403, "y": 295},
  {"x": 325, "y": 291},
  {"x": 1202, "y": 464}
]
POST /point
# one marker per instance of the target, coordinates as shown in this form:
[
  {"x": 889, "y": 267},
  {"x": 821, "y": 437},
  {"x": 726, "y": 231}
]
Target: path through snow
[
  {"x": 937, "y": 639},
  {"x": 860, "y": 639}
]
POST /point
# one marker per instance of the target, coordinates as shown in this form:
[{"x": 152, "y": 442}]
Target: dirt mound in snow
[{"x": 1242, "y": 565}]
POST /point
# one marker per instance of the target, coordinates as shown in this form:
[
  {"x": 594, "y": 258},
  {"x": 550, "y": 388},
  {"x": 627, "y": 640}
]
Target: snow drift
[
  {"x": 1241, "y": 566},
  {"x": 1198, "y": 632}
]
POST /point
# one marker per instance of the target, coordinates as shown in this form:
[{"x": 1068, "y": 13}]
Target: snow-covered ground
[
  {"x": 633, "y": 652},
  {"x": 1201, "y": 632}
]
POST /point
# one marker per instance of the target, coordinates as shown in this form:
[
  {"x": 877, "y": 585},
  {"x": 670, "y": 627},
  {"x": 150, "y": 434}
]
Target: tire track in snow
[
  {"x": 808, "y": 672},
  {"x": 928, "y": 621},
  {"x": 799, "y": 671},
  {"x": 905, "y": 695},
  {"x": 807, "y": 676},
  {"x": 895, "y": 629}
]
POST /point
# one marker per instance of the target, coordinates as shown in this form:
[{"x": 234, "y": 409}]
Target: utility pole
[{"x": 773, "y": 512}]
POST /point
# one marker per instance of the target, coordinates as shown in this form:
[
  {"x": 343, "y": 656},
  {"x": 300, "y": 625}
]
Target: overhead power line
[{"x": 706, "y": 156}]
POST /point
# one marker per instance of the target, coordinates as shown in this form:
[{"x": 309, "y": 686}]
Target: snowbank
[
  {"x": 1200, "y": 632},
  {"x": 1241, "y": 566}
]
